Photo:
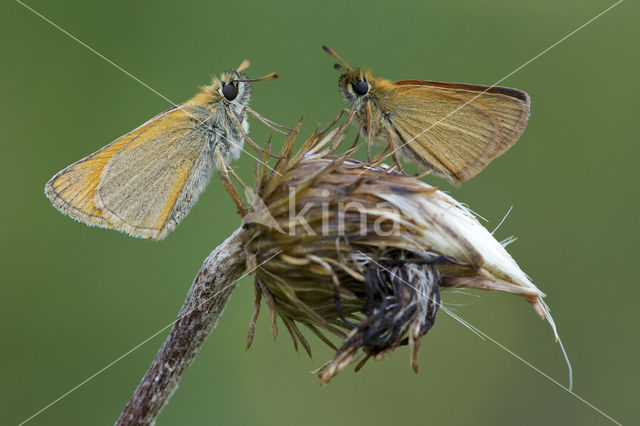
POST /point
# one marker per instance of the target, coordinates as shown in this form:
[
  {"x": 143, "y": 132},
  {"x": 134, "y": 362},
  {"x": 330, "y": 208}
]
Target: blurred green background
[{"x": 74, "y": 298}]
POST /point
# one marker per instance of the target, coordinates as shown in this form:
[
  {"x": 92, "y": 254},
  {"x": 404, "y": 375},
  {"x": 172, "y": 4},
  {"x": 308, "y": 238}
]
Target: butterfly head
[
  {"x": 233, "y": 88},
  {"x": 354, "y": 84}
]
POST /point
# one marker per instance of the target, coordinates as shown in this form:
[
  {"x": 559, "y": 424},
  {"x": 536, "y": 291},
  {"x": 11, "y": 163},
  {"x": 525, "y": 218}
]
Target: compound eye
[
  {"x": 361, "y": 87},
  {"x": 229, "y": 91}
]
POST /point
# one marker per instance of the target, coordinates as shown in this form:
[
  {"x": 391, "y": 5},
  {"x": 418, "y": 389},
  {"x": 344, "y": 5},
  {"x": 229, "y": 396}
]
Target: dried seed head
[{"x": 362, "y": 252}]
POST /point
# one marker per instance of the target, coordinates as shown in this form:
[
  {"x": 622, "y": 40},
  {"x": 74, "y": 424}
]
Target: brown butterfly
[{"x": 452, "y": 130}]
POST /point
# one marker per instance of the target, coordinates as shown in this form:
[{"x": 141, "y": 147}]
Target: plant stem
[{"x": 205, "y": 302}]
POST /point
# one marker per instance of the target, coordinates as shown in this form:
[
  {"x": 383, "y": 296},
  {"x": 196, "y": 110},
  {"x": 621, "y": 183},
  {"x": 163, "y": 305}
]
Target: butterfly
[
  {"x": 145, "y": 182},
  {"x": 452, "y": 130}
]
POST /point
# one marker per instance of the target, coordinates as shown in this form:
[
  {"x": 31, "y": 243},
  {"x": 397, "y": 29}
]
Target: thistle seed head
[{"x": 362, "y": 252}]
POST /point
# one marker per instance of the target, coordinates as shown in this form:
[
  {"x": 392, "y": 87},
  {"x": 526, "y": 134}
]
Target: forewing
[
  {"x": 152, "y": 182},
  {"x": 72, "y": 191},
  {"x": 456, "y": 129}
]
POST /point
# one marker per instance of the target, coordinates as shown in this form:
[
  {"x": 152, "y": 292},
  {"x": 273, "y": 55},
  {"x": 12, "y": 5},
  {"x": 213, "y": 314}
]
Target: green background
[{"x": 74, "y": 298}]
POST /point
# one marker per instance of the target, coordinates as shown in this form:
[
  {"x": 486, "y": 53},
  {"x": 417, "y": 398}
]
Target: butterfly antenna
[
  {"x": 243, "y": 66},
  {"x": 339, "y": 67},
  {"x": 270, "y": 76},
  {"x": 335, "y": 55}
]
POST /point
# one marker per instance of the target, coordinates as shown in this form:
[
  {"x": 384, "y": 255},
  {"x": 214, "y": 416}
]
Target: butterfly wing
[
  {"x": 455, "y": 130},
  {"x": 150, "y": 185},
  {"x": 74, "y": 191}
]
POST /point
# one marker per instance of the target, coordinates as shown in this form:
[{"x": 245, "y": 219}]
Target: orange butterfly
[
  {"x": 452, "y": 130},
  {"x": 145, "y": 182}
]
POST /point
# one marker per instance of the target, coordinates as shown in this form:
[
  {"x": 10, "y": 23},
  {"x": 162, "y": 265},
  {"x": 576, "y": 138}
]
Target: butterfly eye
[
  {"x": 361, "y": 87},
  {"x": 229, "y": 91}
]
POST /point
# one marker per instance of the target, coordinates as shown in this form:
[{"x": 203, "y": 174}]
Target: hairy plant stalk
[{"x": 205, "y": 302}]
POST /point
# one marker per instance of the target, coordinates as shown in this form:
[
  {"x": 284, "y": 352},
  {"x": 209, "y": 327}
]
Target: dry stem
[{"x": 205, "y": 302}]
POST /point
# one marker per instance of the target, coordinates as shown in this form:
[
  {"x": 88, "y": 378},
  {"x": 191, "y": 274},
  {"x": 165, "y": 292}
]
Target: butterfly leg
[
  {"x": 355, "y": 142},
  {"x": 224, "y": 174},
  {"x": 423, "y": 174},
  {"x": 250, "y": 141},
  {"x": 270, "y": 123},
  {"x": 394, "y": 150},
  {"x": 369, "y": 141},
  {"x": 380, "y": 157}
]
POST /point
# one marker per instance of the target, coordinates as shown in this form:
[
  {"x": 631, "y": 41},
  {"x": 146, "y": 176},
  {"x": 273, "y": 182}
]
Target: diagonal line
[
  {"x": 502, "y": 79},
  {"x": 484, "y": 335},
  {"x": 135, "y": 78},
  {"x": 133, "y": 349},
  {"x": 97, "y": 53}
]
